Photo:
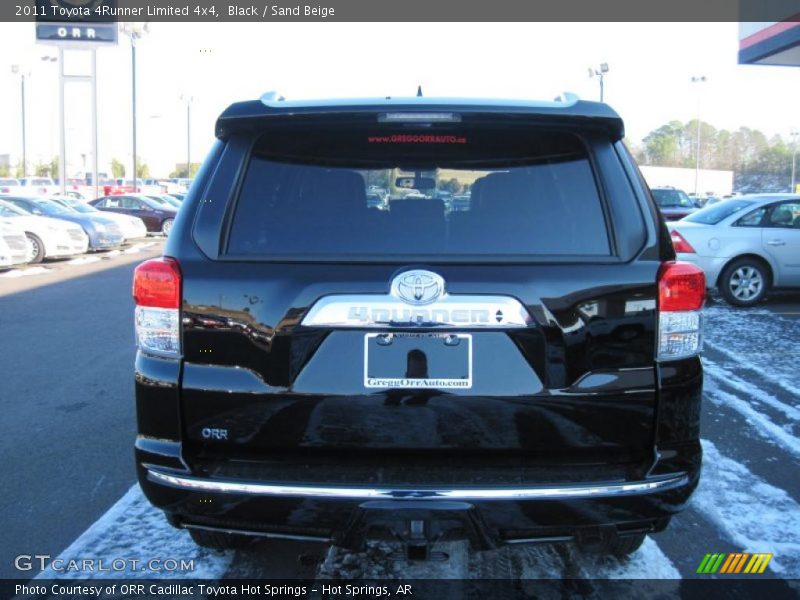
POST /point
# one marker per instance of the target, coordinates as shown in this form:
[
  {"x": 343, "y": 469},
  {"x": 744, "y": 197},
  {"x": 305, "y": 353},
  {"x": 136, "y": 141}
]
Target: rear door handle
[{"x": 776, "y": 243}]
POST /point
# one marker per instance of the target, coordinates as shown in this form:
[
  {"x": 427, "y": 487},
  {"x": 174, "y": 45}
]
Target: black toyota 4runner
[{"x": 521, "y": 367}]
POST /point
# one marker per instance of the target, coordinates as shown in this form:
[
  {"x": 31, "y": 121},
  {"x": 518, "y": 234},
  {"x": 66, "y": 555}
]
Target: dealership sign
[{"x": 77, "y": 23}]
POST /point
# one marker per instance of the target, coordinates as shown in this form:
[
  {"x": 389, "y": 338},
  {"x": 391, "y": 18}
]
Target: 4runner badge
[{"x": 418, "y": 287}]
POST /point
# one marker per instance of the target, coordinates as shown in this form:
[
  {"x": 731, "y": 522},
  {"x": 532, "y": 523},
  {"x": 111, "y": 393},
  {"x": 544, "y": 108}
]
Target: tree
[
  {"x": 142, "y": 171},
  {"x": 5, "y": 171},
  {"x": 46, "y": 169},
  {"x": 759, "y": 164},
  {"x": 181, "y": 171},
  {"x": 117, "y": 169}
]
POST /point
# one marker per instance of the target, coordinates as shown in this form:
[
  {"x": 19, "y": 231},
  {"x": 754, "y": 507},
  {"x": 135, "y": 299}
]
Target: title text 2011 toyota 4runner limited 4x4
[{"x": 523, "y": 368}]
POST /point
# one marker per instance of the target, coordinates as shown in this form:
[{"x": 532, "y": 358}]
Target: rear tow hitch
[{"x": 417, "y": 543}]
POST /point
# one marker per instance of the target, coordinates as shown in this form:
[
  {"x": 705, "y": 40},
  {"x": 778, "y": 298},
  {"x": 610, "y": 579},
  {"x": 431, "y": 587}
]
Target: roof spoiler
[{"x": 567, "y": 108}]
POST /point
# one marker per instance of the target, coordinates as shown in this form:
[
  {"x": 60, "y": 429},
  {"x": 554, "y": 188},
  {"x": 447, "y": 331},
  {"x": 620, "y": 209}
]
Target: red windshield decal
[{"x": 417, "y": 139}]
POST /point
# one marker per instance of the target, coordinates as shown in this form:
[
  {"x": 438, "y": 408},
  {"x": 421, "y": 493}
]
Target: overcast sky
[{"x": 648, "y": 83}]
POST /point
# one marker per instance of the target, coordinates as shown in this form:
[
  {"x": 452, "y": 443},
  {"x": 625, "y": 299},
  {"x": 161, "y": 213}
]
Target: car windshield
[
  {"x": 533, "y": 193},
  {"x": 79, "y": 206},
  {"x": 672, "y": 199},
  {"x": 54, "y": 208},
  {"x": 711, "y": 215},
  {"x": 9, "y": 182},
  {"x": 159, "y": 202}
]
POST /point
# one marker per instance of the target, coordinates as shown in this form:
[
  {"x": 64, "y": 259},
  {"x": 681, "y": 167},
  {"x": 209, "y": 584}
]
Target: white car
[
  {"x": 48, "y": 237},
  {"x": 36, "y": 186},
  {"x": 132, "y": 227},
  {"x": 15, "y": 249},
  {"x": 9, "y": 185},
  {"x": 746, "y": 245}
]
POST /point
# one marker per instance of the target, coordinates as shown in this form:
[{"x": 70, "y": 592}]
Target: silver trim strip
[
  {"x": 371, "y": 311},
  {"x": 598, "y": 490}
]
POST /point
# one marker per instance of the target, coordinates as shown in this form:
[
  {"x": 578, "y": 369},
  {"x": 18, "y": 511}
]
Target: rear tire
[
  {"x": 744, "y": 282},
  {"x": 623, "y": 546},
  {"x": 219, "y": 540},
  {"x": 36, "y": 254},
  {"x": 166, "y": 226}
]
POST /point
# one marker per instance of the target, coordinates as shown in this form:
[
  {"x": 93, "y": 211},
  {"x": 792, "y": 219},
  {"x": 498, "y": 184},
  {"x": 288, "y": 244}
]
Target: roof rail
[{"x": 271, "y": 97}]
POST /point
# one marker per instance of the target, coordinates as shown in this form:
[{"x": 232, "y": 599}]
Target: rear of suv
[{"x": 522, "y": 369}]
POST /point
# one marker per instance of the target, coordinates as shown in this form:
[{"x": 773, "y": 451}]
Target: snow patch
[
  {"x": 84, "y": 260},
  {"x": 750, "y": 512},
  {"x": 740, "y": 334},
  {"x": 25, "y": 272},
  {"x": 724, "y": 375},
  {"x": 648, "y": 562},
  {"x": 134, "y": 529},
  {"x": 766, "y": 427}
]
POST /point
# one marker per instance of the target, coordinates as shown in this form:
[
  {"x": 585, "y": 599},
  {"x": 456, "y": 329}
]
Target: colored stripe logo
[{"x": 734, "y": 563}]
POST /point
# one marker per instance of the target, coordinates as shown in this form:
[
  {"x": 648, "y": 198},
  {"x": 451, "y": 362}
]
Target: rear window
[
  {"x": 711, "y": 215},
  {"x": 428, "y": 193}
]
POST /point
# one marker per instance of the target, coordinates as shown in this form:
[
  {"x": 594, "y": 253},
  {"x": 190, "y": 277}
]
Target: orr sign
[{"x": 76, "y": 23}]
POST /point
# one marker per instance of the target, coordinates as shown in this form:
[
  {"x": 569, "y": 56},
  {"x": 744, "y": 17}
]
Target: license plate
[{"x": 418, "y": 360}]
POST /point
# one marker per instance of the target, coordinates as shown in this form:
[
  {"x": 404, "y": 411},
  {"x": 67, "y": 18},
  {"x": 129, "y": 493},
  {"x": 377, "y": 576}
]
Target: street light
[
  {"x": 698, "y": 79},
  {"x": 794, "y": 133},
  {"x": 135, "y": 31},
  {"x": 18, "y": 70},
  {"x": 600, "y": 74},
  {"x": 188, "y": 100}
]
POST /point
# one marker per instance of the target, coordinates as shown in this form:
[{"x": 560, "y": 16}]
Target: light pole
[
  {"x": 47, "y": 58},
  {"x": 794, "y": 133},
  {"x": 17, "y": 70},
  {"x": 600, "y": 73},
  {"x": 188, "y": 100},
  {"x": 698, "y": 79},
  {"x": 134, "y": 31}
]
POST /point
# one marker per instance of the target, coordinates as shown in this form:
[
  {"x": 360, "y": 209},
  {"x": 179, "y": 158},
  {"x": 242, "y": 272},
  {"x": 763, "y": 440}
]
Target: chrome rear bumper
[{"x": 577, "y": 491}]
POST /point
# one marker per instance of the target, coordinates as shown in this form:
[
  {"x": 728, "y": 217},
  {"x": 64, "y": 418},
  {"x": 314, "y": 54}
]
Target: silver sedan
[{"x": 746, "y": 245}]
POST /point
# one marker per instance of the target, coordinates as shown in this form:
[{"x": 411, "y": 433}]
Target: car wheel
[
  {"x": 744, "y": 282},
  {"x": 35, "y": 249},
  {"x": 219, "y": 540},
  {"x": 166, "y": 226},
  {"x": 623, "y": 546}
]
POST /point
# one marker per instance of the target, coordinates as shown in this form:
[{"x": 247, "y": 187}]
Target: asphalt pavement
[{"x": 68, "y": 425}]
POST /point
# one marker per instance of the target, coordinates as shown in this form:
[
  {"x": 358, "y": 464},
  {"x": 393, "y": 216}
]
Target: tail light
[
  {"x": 680, "y": 244},
  {"x": 681, "y": 294},
  {"x": 157, "y": 293}
]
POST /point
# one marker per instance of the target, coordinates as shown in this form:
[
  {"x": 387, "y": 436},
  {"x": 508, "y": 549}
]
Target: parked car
[
  {"x": 156, "y": 216},
  {"x": 103, "y": 232},
  {"x": 48, "y": 237},
  {"x": 131, "y": 227},
  {"x": 9, "y": 185},
  {"x": 460, "y": 202},
  {"x": 746, "y": 245},
  {"x": 674, "y": 204},
  {"x": 15, "y": 249},
  {"x": 36, "y": 186},
  {"x": 524, "y": 371},
  {"x": 375, "y": 200},
  {"x": 167, "y": 200}
]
